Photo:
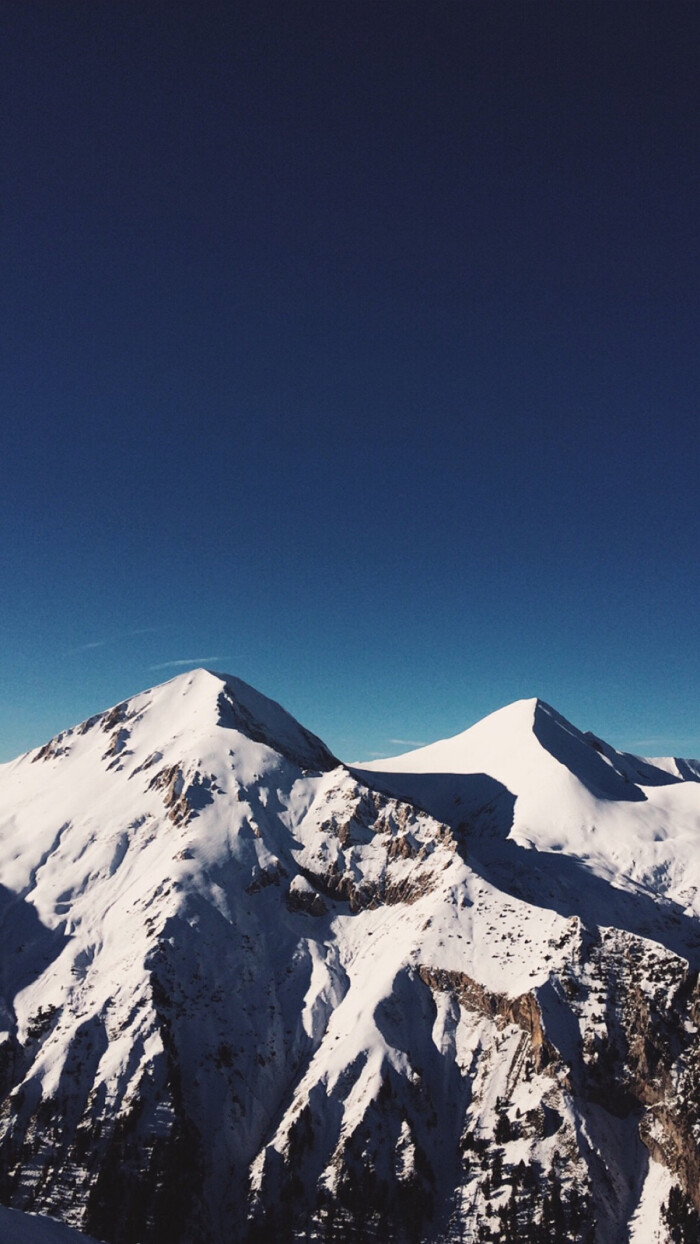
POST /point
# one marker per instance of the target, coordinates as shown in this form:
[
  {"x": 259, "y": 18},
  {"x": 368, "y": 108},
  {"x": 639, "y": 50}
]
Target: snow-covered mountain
[
  {"x": 17, "y": 1228},
  {"x": 526, "y": 775},
  {"x": 248, "y": 993}
]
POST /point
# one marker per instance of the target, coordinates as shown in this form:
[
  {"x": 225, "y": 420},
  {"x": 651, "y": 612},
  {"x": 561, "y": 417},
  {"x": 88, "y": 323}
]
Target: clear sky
[{"x": 352, "y": 347}]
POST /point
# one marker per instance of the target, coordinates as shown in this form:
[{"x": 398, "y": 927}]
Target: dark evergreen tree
[
  {"x": 681, "y": 1218},
  {"x": 497, "y": 1170}
]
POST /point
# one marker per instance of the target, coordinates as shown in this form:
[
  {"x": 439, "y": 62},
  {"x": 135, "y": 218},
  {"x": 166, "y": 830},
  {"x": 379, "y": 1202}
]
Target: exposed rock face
[
  {"x": 248, "y": 997},
  {"x": 183, "y": 796},
  {"x": 303, "y": 897},
  {"x": 523, "y": 1011}
]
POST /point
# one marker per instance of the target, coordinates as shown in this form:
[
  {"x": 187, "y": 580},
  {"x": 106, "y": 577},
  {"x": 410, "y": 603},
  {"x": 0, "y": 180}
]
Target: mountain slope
[
  {"x": 18, "y": 1228},
  {"x": 250, "y": 994},
  {"x": 526, "y": 774}
]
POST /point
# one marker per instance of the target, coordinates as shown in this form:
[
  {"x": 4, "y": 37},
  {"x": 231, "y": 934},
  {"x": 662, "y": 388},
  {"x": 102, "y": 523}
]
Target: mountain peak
[
  {"x": 263, "y": 720},
  {"x": 526, "y": 766},
  {"x": 504, "y": 730},
  {"x": 233, "y": 984},
  {"x": 187, "y": 712}
]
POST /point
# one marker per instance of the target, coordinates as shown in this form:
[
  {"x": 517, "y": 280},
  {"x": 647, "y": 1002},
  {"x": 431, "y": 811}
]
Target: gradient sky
[{"x": 352, "y": 348}]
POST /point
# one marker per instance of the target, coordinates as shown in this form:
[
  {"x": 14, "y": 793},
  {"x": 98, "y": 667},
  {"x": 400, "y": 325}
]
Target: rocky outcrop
[
  {"x": 524, "y": 1011},
  {"x": 183, "y": 796}
]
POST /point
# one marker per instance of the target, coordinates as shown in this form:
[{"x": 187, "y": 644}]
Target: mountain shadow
[
  {"x": 567, "y": 885},
  {"x": 480, "y": 811},
  {"x": 456, "y": 799},
  {"x": 27, "y": 946},
  {"x": 603, "y": 771}
]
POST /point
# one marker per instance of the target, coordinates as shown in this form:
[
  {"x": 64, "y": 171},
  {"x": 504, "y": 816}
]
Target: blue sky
[{"x": 353, "y": 349}]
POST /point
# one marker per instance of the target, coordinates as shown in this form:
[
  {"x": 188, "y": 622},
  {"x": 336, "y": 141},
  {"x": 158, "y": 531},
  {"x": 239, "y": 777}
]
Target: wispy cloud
[
  {"x": 407, "y": 742},
  {"x": 115, "y": 639},
  {"x": 97, "y": 643},
  {"x": 664, "y": 745},
  {"x": 165, "y": 665},
  {"x": 653, "y": 742}
]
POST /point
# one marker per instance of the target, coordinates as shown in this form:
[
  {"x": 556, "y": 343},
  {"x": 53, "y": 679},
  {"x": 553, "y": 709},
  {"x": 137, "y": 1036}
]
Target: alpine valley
[{"x": 251, "y": 994}]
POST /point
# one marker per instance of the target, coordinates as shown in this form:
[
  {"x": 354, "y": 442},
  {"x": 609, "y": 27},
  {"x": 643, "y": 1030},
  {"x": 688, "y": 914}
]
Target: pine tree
[{"x": 682, "y": 1220}]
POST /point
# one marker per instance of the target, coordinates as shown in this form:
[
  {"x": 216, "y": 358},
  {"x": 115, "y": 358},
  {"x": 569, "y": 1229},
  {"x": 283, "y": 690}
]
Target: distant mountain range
[{"x": 251, "y": 994}]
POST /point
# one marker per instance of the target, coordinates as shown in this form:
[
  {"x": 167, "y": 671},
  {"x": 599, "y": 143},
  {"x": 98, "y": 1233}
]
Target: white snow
[
  {"x": 17, "y": 1228},
  {"x": 527, "y": 773},
  {"x": 178, "y": 824}
]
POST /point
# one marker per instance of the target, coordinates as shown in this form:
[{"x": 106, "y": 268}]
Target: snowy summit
[{"x": 249, "y": 993}]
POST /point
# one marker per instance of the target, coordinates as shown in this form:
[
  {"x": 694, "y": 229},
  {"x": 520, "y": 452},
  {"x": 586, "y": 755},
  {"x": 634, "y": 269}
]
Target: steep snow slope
[
  {"x": 16, "y": 1228},
  {"x": 163, "y": 989},
  {"x": 248, "y": 994},
  {"x": 527, "y": 774}
]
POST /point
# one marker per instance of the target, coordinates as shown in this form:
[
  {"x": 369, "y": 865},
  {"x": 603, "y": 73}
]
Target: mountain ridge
[{"x": 252, "y": 993}]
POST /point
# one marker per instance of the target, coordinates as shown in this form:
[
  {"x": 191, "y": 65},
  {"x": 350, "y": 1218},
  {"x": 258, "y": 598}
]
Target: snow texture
[{"x": 247, "y": 991}]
